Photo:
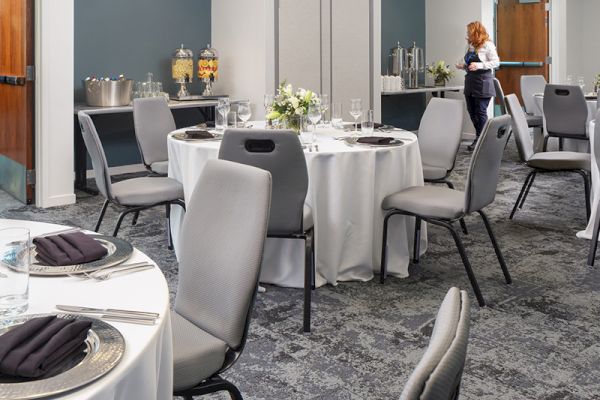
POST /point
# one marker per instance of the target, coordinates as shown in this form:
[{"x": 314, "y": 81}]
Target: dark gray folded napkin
[
  {"x": 376, "y": 125},
  {"x": 375, "y": 140},
  {"x": 32, "y": 349},
  {"x": 198, "y": 134},
  {"x": 68, "y": 248}
]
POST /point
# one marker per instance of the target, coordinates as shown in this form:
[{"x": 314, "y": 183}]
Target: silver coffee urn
[
  {"x": 396, "y": 60},
  {"x": 414, "y": 64}
]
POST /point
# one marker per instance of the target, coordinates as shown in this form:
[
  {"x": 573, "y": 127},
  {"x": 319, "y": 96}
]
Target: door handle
[
  {"x": 13, "y": 80},
  {"x": 532, "y": 64}
]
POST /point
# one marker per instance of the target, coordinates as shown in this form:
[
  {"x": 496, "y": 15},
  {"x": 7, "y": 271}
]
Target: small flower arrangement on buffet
[
  {"x": 290, "y": 106},
  {"x": 441, "y": 72}
]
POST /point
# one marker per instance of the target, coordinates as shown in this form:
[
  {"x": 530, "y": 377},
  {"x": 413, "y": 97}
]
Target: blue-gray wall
[
  {"x": 133, "y": 37},
  {"x": 402, "y": 21}
]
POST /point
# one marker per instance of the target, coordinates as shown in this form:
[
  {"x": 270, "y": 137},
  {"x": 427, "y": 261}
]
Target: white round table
[
  {"x": 146, "y": 369},
  {"x": 346, "y": 187}
]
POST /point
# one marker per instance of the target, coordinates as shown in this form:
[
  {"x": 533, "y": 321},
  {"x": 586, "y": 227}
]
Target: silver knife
[
  {"x": 92, "y": 310},
  {"x": 131, "y": 320}
]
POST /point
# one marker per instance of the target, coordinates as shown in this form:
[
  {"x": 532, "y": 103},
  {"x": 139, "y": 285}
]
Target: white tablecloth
[
  {"x": 146, "y": 369},
  {"x": 581, "y": 146},
  {"x": 595, "y": 200},
  {"x": 346, "y": 188}
]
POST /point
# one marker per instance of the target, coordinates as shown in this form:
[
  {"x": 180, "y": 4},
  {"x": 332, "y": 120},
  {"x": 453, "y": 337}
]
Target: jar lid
[
  {"x": 208, "y": 53},
  {"x": 182, "y": 52}
]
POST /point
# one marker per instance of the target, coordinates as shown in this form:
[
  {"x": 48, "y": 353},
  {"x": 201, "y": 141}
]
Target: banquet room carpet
[{"x": 538, "y": 338}]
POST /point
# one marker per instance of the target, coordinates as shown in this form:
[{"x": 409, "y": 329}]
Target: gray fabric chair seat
[
  {"x": 428, "y": 201},
  {"x": 197, "y": 355},
  {"x": 160, "y": 167},
  {"x": 146, "y": 191},
  {"x": 434, "y": 173},
  {"x": 534, "y": 121},
  {"x": 307, "y": 218},
  {"x": 559, "y": 160}
]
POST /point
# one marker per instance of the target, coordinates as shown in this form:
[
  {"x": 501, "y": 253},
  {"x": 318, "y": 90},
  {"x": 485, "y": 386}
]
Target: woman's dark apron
[{"x": 478, "y": 83}]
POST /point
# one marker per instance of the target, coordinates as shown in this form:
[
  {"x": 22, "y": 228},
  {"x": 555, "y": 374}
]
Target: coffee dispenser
[{"x": 414, "y": 65}]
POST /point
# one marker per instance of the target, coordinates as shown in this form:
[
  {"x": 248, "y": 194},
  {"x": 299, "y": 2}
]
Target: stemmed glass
[
  {"x": 356, "y": 112},
  {"x": 314, "y": 114},
  {"x": 223, "y": 108},
  {"x": 581, "y": 83},
  {"x": 324, "y": 107},
  {"x": 244, "y": 112}
]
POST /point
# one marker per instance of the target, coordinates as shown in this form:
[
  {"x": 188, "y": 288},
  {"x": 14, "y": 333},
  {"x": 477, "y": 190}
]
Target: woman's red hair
[{"x": 477, "y": 34}]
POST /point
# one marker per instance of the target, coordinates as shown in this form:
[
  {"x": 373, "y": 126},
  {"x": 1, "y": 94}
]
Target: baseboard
[
  {"x": 55, "y": 201},
  {"x": 122, "y": 169}
]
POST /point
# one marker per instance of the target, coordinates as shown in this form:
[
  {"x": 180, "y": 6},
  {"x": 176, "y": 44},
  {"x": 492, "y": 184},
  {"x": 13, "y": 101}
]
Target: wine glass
[
  {"x": 569, "y": 79},
  {"x": 314, "y": 114},
  {"x": 581, "y": 82},
  {"x": 244, "y": 112},
  {"x": 268, "y": 101},
  {"x": 324, "y": 107},
  {"x": 356, "y": 112}
]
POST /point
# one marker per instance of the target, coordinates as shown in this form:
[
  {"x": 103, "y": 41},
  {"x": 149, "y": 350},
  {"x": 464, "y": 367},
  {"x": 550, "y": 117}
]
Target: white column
[{"x": 54, "y": 37}]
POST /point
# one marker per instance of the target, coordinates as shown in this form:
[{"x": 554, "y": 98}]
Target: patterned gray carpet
[{"x": 539, "y": 338}]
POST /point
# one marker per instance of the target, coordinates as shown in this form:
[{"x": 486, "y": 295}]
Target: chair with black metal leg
[
  {"x": 596, "y": 226},
  {"x": 135, "y": 194},
  {"x": 443, "y": 206},
  {"x": 220, "y": 255},
  {"x": 440, "y": 132},
  {"x": 280, "y": 152},
  {"x": 566, "y": 113},
  {"x": 544, "y": 162},
  {"x": 439, "y": 373},
  {"x": 500, "y": 96},
  {"x": 530, "y": 86}
]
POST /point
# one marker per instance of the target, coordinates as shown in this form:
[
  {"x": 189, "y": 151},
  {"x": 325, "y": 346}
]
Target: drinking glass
[
  {"x": 244, "y": 112},
  {"x": 232, "y": 119},
  {"x": 220, "y": 122},
  {"x": 324, "y": 107},
  {"x": 306, "y": 135},
  {"x": 15, "y": 259},
  {"x": 268, "y": 102},
  {"x": 367, "y": 125},
  {"x": 569, "y": 79},
  {"x": 356, "y": 112},
  {"x": 336, "y": 116},
  {"x": 314, "y": 114},
  {"x": 224, "y": 107},
  {"x": 581, "y": 83}
]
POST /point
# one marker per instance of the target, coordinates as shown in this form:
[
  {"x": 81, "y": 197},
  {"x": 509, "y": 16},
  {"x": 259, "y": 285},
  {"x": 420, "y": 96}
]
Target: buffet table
[
  {"x": 346, "y": 187},
  {"x": 146, "y": 369}
]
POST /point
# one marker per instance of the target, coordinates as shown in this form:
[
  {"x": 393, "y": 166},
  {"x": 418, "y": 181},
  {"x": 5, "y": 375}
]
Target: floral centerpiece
[
  {"x": 288, "y": 106},
  {"x": 597, "y": 83},
  {"x": 441, "y": 72}
]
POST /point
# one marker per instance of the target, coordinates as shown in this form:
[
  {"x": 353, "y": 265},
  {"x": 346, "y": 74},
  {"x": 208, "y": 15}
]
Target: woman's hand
[
  {"x": 473, "y": 67},
  {"x": 460, "y": 66}
]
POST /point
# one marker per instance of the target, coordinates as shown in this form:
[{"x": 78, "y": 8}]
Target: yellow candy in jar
[{"x": 182, "y": 69}]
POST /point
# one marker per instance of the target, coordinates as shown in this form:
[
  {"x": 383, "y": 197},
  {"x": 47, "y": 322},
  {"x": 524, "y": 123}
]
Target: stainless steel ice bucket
[{"x": 108, "y": 93}]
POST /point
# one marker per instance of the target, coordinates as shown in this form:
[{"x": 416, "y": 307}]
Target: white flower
[{"x": 295, "y": 102}]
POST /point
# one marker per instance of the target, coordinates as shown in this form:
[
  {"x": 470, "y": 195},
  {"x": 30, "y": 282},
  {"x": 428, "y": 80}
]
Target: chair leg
[
  {"x": 168, "y": 227},
  {"x": 383, "y": 271},
  {"x": 120, "y": 220},
  {"x": 314, "y": 264},
  {"x": 525, "y": 184},
  {"x": 307, "y": 281},
  {"x": 417, "y": 241},
  {"x": 212, "y": 385},
  {"x": 467, "y": 264},
  {"x": 101, "y": 217},
  {"x": 135, "y": 218},
  {"x": 488, "y": 227},
  {"x": 586, "y": 183},
  {"x": 545, "y": 146},
  {"x": 594, "y": 243},
  {"x": 560, "y": 144},
  {"x": 528, "y": 189}
]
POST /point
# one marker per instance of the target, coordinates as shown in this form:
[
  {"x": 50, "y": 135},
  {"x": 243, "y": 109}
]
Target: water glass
[
  {"x": 307, "y": 136},
  {"x": 324, "y": 107},
  {"x": 314, "y": 115},
  {"x": 569, "y": 79},
  {"x": 232, "y": 119},
  {"x": 581, "y": 83},
  {"x": 244, "y": 112},
  {"x": 336, "y": 116},
  {"x": 367, "y": 125},
  {"x": 356, "y": 112},
  {"x": 268, "y": 102},
  {"x": 15, "y": 259},
  {"x": 220, "y": 123}
]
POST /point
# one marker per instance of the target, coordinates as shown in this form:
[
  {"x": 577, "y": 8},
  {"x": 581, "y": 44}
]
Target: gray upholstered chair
[
  {"x": 223, "y": 235},
  {"x": 530, "y": 85},
  {"x": 439, "y": 373},
  {"x": 280, "y": 152},
  {"x": 440, "y": 132},
  {"x": 153, "y": 121},
  {"x": 566, "y": 113},
  {"x": 135, "y": 194},
  {"x": 500, "y": 96},
  {"x": 443, "y": 206},
  {"x": 594, "y": 243},
  {"x": 544, "y": 162}
]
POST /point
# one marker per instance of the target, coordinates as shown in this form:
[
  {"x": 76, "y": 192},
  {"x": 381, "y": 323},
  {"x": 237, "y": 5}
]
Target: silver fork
[{"x": 108, "y": 275}]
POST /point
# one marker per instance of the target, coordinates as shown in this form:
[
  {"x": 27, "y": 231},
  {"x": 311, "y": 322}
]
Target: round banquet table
[
  {"x": 346, "y": 187},
  {"x": 595, "y": 193},
  {"x": 146, "y": 369}
]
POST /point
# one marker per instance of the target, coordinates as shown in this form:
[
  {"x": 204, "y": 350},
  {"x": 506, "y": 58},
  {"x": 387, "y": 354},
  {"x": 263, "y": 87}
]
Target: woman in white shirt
[{"x": 480, "y": 60}]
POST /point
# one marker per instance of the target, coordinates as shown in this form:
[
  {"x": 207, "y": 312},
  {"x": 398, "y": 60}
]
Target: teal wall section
[
  {"x": 133, "y": 37},
  {"x": 403, "y": 21}
]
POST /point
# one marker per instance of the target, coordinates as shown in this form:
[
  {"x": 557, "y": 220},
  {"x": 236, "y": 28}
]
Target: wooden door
[
  {"x": 16, "y": 98},
  {"x": 522, "y": 38}
]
